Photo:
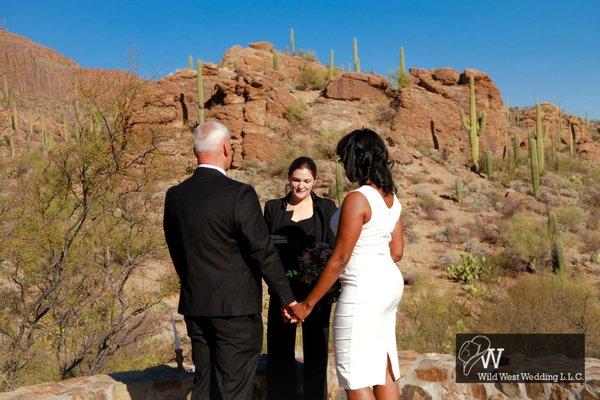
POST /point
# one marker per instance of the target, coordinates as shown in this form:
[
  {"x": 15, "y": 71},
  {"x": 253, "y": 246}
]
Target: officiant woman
[{"x": 303, "y": 219}]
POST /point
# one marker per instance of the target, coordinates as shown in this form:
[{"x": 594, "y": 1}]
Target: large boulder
[{"x": 357, "y": 86}]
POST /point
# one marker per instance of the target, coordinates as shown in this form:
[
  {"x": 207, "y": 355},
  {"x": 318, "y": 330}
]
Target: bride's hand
[{"x": 302, "y": 310}]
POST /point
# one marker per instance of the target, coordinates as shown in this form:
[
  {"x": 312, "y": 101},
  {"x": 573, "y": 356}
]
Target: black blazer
[
  {"x": 322, "y": 208},
  {"x": 220, "y": 246}
]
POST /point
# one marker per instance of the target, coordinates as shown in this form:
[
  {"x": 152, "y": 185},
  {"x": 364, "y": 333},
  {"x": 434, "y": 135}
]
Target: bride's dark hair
[{"x": 365, "y": 157}]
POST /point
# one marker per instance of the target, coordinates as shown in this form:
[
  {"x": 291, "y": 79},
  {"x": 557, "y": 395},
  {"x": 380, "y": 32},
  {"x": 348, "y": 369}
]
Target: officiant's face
[{"x": 302, "y": 182}]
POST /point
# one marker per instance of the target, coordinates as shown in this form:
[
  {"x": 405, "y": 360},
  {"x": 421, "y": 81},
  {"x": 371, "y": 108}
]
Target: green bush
[
  {"x": 470, "y": 269},
  {"x": 570, "y": 217},
  {"x": 429, "y": 319},
  {"x": 308, "y": 55},
  {"x": 546, "y": 303},
  {"x": 311, "y": 79},
  {"x": 296, "y": 112},
  {"x": 525, "y": 236}
]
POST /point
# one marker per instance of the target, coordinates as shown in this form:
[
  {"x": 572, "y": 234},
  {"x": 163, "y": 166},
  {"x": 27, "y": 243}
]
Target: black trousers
[
  {"x": 225, "y": 351},
  {"x": 281, "y": 340}
]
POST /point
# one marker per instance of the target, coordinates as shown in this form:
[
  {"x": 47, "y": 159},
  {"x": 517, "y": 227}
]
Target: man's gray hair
[{"x": 209, "y": 135}]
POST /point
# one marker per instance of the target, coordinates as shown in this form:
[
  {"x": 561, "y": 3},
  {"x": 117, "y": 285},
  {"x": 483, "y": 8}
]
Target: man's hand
[{"x": 287, "y": 313}]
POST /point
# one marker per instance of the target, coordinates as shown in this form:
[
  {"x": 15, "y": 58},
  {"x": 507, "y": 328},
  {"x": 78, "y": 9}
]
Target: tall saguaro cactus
[
  {"x": 571, "y": 141},
  {"x": 275, "y": 60},
  {"x": 339, "y": 183},
  {"x": 356, "y": 59},
  {"x": 475, "y": 125},
  {"x": 517, "y": 146},
  {"x": 402, "y": 74},
  {"x": 539, "y": 138},
  {"x": 330, "y": 69},
  {"x": 534, "y": 165},
  {"x": 458, "y": 187},
  {"x": 190, "y": 62},
  {"x": 200, "y": 89},
  {"x": 292, "y": 41}
]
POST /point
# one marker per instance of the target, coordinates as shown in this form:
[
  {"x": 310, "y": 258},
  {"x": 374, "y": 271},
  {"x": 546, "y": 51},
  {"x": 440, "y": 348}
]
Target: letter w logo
[{"x": 485, "y": 359}]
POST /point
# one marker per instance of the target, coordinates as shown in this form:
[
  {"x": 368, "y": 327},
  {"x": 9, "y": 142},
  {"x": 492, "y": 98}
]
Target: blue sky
[{"x": 534, "y": 50}]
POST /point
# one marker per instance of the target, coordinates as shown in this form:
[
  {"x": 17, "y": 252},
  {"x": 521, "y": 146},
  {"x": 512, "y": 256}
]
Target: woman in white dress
[{"x": 369, "y": 242}]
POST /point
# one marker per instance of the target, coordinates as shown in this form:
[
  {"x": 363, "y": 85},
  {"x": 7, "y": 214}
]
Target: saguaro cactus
[
  {"x": 489, "y": 170},
  {"x": 339, "y": 183},
  {"x": 190, "y": 62},
  {"x": 275, "y": 60},
  {"x": 517, "y": 146},
  {"x": 571, "y": 141},
  {"x": 475, "y": 126},
  {"x": 552, "y": 225},
  {"x": 356, "y": 59},
  {"x": 534, "y": 165},
  {"x": 458, "y": 187},
  {"x": 200, "y": 89},
  {"x": 539, "y": 138},
  {"x": 330, "y": 70},
  {"x": 402, "y": 74},
  {"x": 292, "y": 41},
  {"x": 559, "y": 264}
]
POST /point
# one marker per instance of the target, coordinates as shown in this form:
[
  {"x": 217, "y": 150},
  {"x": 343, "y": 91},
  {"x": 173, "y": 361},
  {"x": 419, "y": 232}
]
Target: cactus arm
[
  {"x": 464, "y": 120},
  {"x": 481, "y": 123}
]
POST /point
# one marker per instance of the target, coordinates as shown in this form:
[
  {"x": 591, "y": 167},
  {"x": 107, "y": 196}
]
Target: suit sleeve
[
  {"x": 251, "y": 226},
  {"x": 173, "y": 235}
]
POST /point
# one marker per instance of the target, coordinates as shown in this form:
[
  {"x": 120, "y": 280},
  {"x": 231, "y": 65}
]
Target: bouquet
[{"x": 311, "y": 263}]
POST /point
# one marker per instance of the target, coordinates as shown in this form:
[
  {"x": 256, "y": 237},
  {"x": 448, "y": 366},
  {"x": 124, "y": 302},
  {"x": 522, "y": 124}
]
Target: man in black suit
[{"x": 220, "y": 247}]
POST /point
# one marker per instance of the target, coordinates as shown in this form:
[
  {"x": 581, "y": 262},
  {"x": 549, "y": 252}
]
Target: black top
[
  {"x": 220, "y": 246},
  {"x": 300, "y": 235}
]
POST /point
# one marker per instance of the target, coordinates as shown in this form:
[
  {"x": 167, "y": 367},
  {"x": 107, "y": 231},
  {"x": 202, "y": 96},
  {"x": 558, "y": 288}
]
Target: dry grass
[{"x": 575, "y": 308}]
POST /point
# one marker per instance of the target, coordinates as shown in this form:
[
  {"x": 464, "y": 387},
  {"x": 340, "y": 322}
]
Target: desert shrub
[
  {"x": 295, "y": 112},
  {"x": 253, "y": 166},
  {"x": 307, "y": 55},
  {"x": 525, "y": 236},
  {"x": 311, "y": 79},
  {"x": 429, "y": 205},
  {"x": 429, "y": 319},
  {"x": 278, "y": 165},
  {"x": 470, "y": 269},
  {"x": 326, "y": 144},
  {"x": 547, "y": 303},
  {"x": 591, "y": 240},
  {"x": 570, "y": 217},
  {"x": 77, "y": 225}
]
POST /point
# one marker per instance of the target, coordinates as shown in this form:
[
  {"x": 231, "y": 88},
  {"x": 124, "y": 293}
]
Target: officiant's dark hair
[
  {"x": 303, "y": 162},
  {"x": 365, "y": 157}
]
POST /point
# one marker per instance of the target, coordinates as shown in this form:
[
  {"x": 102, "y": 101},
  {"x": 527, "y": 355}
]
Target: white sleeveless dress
[{"x": 364, "y": 325}]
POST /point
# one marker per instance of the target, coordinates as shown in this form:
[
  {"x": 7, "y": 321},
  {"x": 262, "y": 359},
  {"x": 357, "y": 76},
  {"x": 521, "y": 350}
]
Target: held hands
[
  {"x": 288, "y": 314},
  {"x": 296, "y": 312},
  {"x": 302, "y": 310}
]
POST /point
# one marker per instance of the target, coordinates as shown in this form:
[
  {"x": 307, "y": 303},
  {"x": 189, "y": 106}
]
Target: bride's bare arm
[
  {"x": 397, "y": 243},
  {"x": 354, "y": 213}
]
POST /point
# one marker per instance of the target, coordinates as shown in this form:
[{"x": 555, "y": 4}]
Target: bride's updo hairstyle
[{"x": 365, "y": 157}]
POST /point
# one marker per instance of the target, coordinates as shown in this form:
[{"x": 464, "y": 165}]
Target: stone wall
[{"x": 423, "y": 376}]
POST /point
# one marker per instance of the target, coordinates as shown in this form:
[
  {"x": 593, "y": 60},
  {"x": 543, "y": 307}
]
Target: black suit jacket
[{"x": 220, "y": 246}]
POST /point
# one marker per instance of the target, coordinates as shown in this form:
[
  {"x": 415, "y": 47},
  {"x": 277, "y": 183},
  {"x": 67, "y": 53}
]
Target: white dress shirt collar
[{"x": 221, "y": 170}]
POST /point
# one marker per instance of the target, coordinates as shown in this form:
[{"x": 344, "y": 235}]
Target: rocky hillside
[
  {"x": 277, "y": 114},
  {"x": 260, "y": 104}
]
